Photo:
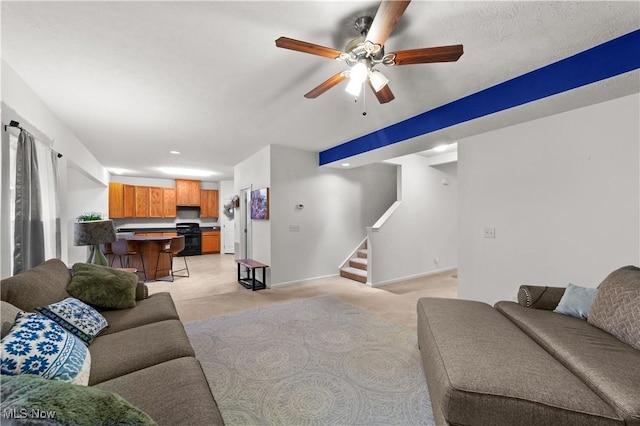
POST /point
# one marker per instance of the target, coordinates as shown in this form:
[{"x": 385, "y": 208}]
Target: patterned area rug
[{"x": 316, "y": 361}]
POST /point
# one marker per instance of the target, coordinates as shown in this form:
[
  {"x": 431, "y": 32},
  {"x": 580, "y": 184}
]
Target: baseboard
[
  {"x": 305, "y": 281},
  {"x": 410, "y": 277}
]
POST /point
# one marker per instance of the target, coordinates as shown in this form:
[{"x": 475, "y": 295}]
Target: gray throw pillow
[
  {"x": 103, "y": 287},
  {"x": 576, "y": 301},
  {"x": 9, "y": 314},
  {"x": 616, "y": 308}
]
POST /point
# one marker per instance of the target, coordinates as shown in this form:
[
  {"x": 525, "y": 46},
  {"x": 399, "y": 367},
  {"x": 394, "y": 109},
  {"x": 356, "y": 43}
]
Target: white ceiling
[{"x": 134, "y": 80}]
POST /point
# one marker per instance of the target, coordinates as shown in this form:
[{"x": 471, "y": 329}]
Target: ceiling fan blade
[
  {"x": 303, "y": 46},
  {"x": 384, "y": 95},
  {"x": 388, "y": 14},
  {"x": 326, "y": 85},
  {"x": 425, "y": 56}
]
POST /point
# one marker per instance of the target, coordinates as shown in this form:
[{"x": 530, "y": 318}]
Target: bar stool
[
  {"x": 123, "y": 248},
  {"x": 172, "y": 248}
]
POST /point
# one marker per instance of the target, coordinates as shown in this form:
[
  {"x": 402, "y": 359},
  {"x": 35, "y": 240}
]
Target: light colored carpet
[
  {"x": 315, "y": 361},
  {"x": 212, "y": 291}
]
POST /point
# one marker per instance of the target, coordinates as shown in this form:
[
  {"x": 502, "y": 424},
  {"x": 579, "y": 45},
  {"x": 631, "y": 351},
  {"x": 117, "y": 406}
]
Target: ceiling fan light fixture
[
  {"x": 354, "y": 87},
  {"x": 378, "y": 80},
  {"x": 359, "y": 72}
]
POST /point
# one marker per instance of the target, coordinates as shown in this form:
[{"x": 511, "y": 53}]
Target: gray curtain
[
  {"x": 29, "y": 249},
  {"x": 56, "y": 189}
]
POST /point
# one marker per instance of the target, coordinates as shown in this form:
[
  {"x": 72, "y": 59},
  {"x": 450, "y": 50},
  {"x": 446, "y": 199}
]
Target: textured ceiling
[{"x": 134, "y": 80}]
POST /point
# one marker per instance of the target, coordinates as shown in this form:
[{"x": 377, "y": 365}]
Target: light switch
[
  {"x": 489, "y": 232},
  {"x": 294, "y": 228}
]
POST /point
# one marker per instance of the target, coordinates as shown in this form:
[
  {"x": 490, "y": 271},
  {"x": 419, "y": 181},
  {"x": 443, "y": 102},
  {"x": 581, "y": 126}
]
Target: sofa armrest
[
  {"x": 540, "y": 297},
  {"x": 142, "y": 291}
]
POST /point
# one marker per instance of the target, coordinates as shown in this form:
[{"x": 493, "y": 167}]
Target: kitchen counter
[
  {"x": 164, "y": 229},
  {"x": 153, "y": 265}
]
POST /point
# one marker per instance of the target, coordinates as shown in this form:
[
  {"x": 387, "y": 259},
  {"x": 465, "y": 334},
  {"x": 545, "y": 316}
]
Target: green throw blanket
[{"x": 28, "y": 399}]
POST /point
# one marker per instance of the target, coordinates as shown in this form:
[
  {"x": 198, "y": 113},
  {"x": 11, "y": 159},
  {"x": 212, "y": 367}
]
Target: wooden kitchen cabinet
[
  {"x": 116, "y": 200},
  {"x": 169, "y": 202},
  {"x": 121, "y": 200},
  {"x": 210, "y": 242},
  {"x": 129, "y": 200},
  {"x": 187, "y": 192},
  {"x": 142, "y": 201},
  {"x": 209, "y": 203},
  {"x": 156, "y": 201}
]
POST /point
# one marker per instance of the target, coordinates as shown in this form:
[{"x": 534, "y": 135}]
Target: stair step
[
  {"x": 358, "y": 262},
  {"x": 362, "y": 253},
  {"x": 354, "y": 274}
]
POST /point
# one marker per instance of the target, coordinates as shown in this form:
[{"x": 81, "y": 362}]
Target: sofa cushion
[
  {"x": 39, "y": 286},
  {"x": 576, "y": 301},
  {"x": 103, "y": 287},
  {"x": 38, "y": 345},
  {"x": 67, "y": 403},
  {"x": 616, "y": 308},
  {"x": 158, "y": 307},
  {"x": 481, "y": 369},
  {"x": 136, "y": 348},
  {"x": 76, "y": 317},
  {"x": 172, "y": 393},
  {"x": 604, "y": 363},
  {"x": 9, "y": 314}
]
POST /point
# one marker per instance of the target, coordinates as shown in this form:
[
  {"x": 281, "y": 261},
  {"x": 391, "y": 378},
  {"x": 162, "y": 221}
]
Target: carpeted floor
[
  {"x": 315, "y": 361},
  {"x": 212, "y": 290}
]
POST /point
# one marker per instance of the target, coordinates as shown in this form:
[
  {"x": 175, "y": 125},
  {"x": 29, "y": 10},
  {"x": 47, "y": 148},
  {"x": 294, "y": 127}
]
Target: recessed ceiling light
[
  {"x": 174, "y": 152},
  {"x": 186, "y": 172},
  {"x": 116, "y": 171},
  {"x": 441, "y": 148},
  {"x": 346, "y": 164}
]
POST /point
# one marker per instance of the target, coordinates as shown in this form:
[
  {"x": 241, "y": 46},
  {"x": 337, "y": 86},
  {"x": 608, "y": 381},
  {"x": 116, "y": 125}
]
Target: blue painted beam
[{"x": 606, "y": 60}]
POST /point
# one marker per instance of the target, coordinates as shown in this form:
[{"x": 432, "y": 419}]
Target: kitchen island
[{"x": 149, "y": 246}]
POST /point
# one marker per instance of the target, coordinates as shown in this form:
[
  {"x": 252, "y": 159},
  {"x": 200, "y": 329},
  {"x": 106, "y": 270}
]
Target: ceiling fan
[{"x": 363, "y": 53}]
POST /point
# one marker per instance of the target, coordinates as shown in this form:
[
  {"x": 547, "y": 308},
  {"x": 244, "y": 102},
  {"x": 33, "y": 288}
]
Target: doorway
[{"x": 245, "y": 223}]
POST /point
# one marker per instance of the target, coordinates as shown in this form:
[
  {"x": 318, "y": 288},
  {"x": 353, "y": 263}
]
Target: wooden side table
[{"x": 250, "y": 281}]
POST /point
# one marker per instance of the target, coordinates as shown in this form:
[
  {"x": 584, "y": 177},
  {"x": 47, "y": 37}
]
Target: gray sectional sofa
[
  {"x": 523, "y": 364},
  {"x": 144, "y": 355}
]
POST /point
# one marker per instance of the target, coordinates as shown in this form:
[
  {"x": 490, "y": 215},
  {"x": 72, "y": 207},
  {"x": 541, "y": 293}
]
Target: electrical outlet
[
  {"x": 294, "y": 228},
  {"x": 489, "y": 232}
]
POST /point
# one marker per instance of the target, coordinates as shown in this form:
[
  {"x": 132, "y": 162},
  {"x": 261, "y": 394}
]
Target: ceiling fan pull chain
[{"x": 364, "y": 100}]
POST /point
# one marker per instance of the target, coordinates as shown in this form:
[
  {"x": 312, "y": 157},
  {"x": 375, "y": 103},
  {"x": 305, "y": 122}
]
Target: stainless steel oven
[{"x": 192, "y": 238}]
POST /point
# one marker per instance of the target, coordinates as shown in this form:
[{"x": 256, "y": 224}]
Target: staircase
[{"x": 356, "y": 267}]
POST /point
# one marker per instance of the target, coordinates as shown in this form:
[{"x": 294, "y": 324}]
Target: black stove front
[{"x": 192, "y": 238}]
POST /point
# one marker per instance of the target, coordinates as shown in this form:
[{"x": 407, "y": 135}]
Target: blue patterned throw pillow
[
  {"x": 37, "y": 345},
  {"x": 76, "y": 317}
]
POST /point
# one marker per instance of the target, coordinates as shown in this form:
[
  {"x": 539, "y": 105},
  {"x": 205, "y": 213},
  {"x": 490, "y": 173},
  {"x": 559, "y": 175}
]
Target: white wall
[
  {"x": 338, "y": 206},
  {"x": 228, "y": 226},
  {"x": 563, "y": 194},
  {"x": 158, "y": 182},
  {"x": 84, "y": 195},
  {"x": 20, "y": 103},
  {"x": 255, "y": 172},
  {"x": 420, "y": 237}
]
